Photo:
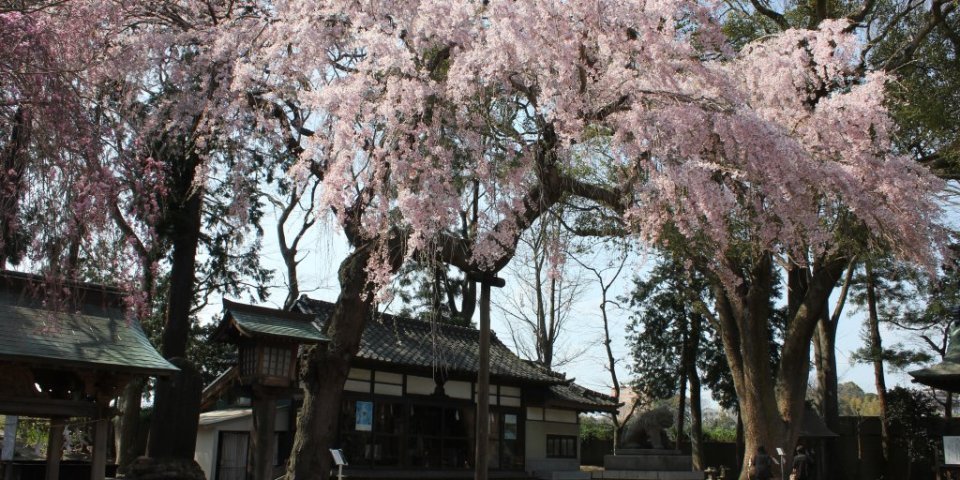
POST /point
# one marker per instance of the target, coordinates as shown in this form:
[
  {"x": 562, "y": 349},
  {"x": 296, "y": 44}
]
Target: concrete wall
[{"x": 540, "y": 423}]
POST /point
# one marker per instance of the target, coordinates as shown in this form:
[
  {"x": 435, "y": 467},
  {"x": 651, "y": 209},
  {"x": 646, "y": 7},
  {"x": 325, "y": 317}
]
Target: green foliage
[
  {"x": 912, "y": 414},
  {"x": 212, "y": 358},
  {"x": 896, "y": 287},
  {"x": 663, "y": 305},
  {"x": 33, "y": 432},
  {"x": 854, "y": 402},
  {"x": 925, "y": 99},
  {"x": 430, "y": 293},
  {"x": 595, "y": 428},
  {"x": 661, "y": 312},
  {"x": 719, "y": 426}
]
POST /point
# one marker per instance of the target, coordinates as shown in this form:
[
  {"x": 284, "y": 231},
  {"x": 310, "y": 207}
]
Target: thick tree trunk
[
  {"x": 13, "y": 159},
  {"x": 682, "y": 395},
  {"x": 771, "y": 406},
  {"x": 186, "y": 240},
  {"x": 166, "y": 433},
  {"x": 876, "y": 352},
  {"x": 825, "y": 360},
  {"x": 324, "y": 370},
  {"x": 696, "y": 414}
]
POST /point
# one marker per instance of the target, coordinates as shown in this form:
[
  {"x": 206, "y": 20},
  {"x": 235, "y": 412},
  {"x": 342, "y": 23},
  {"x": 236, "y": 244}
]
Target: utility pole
[{"x": 486, "y": 280}]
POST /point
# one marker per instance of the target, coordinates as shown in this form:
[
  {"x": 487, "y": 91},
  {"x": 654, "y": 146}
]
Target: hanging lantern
[{"x": 267, "y": 342}]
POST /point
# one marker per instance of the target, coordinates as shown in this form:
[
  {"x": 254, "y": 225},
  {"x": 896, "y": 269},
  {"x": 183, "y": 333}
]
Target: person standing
[
  {"x": 802, "y": 465},
  {"x": 761, "y": 465}
]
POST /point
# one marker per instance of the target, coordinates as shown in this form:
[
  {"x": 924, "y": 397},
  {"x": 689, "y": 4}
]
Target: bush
[{"x": 595, "y": 428}]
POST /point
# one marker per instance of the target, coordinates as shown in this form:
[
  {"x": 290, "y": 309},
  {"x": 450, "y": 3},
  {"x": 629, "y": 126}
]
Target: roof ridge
[
  {"x": 279, "y": 312},
  {"x": 65, "y": 282},
  {"x": 306, "y": 298}
]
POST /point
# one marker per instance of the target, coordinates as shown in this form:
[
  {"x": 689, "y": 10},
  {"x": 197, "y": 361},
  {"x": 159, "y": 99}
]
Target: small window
[{"x": 561, "y": 446}]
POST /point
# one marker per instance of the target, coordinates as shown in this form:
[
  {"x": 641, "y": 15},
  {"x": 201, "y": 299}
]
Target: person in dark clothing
[
  {"x": 761, "y": 465},
  {"x": 802, "y": 465}
]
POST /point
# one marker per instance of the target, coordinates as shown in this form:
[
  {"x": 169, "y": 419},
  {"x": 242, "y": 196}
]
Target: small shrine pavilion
[{"x": 67, "y": 350}]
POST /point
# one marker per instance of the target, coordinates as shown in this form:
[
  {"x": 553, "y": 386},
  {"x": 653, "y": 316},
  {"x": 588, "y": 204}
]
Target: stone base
[
  {"x": 670, "y": 462},
  {"x": 649, "y": 475},
  {"x": 146, "y": 468}
]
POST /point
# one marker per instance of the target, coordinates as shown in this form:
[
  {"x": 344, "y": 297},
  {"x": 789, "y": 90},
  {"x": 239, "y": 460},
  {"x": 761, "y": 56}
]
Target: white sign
[
  {"x": 951, "y": 450},
  {"x": 338, "y": 457}
]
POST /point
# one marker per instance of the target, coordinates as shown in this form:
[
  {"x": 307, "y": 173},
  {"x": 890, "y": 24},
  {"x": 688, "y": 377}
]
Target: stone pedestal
[
  {"x": 648, "y": 464},
  {"x": 145, "y": 468}
]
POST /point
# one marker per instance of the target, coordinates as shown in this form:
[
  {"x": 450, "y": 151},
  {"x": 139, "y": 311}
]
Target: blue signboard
[{"x": 364, "y": 416}]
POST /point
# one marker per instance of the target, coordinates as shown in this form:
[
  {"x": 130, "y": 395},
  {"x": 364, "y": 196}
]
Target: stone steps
[{"x": 647, "y": 475}]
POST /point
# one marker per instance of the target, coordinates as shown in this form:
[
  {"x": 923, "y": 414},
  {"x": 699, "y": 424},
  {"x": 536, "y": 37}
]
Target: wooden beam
[{"x": 46, "y": 407}]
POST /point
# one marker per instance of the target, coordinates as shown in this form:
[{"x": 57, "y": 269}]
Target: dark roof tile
[{"x": 418, "y": 343}]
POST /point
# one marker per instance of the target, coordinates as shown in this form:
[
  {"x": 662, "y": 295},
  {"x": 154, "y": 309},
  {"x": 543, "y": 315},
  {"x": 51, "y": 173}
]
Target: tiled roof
[
  {"x": 573, "y": 395},
  {"x": 254, "y": 321},
  {"x": 88, "y": 336},
  {"x": 417, "y": 343}
]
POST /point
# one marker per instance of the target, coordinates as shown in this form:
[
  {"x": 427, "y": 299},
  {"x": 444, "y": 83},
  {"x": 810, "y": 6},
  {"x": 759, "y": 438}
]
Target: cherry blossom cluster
[{"x": 781, "y": 145}]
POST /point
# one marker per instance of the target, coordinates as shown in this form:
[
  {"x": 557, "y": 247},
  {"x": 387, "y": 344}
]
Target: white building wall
[
  {"x": 208, "y": 437},
  {"x": 542, "y": 422}
]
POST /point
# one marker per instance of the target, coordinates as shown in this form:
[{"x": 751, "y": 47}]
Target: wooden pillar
[
  {"x": 483, "y": 377},
  {"x": 55, "y": 447},
  {"x": 483, "y": 386},
  {"x": 9, "y": 445},
  {"x": 264, "y": 426},
  {"x": 98, "y": 469}
]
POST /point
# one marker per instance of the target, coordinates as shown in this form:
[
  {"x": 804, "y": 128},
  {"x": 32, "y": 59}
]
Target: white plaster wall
[
  {"x": 208, "y": 437},
  {"x": 206, "y": 453},
  {"x": 536, "y": 445}
]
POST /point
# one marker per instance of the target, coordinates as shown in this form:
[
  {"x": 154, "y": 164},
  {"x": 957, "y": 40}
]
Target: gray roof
[
  {"x": 254, "y": 321},
  {"x": 85, "y": 336},
  {"x": 573, "y": 395},
  {"x": 432, "y": 345},
  {"x": 219, "y": 416}
]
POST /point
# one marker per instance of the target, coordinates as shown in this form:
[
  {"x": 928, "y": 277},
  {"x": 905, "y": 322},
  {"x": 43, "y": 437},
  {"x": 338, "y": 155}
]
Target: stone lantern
[
  {"x": 267, "y": 343},
  {"x": 946, "y": 374}
]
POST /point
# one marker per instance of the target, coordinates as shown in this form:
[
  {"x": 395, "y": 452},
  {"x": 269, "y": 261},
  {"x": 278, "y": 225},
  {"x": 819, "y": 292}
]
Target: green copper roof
[
  {"x": 98, "y": 338},
  {"x": 253, "y": 321}
]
